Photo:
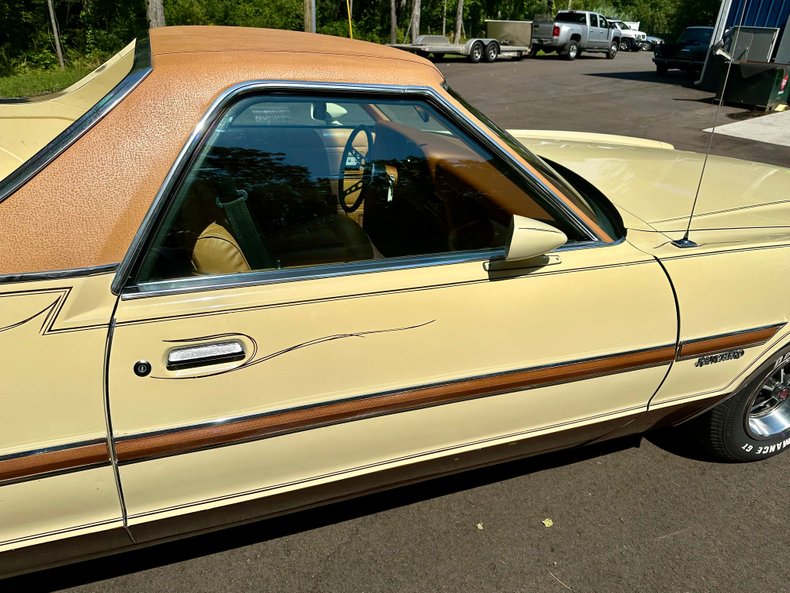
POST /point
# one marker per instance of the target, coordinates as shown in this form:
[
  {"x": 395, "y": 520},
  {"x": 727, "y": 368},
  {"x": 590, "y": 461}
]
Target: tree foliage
[{"x": 94, "y": 29}]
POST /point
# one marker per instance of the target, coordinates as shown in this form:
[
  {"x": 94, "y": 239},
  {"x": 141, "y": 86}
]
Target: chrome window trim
[
  {"x": 141, "y": 68},
  {"x": 231, "y": 94},
  {"x": 264, "y": 277},
  {"x": 57, "y": 274}
]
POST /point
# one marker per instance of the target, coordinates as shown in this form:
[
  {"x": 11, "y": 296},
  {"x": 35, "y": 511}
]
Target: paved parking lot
[
  {"x": 593, "y": 94},
  {"x": 638, "y": 515}
]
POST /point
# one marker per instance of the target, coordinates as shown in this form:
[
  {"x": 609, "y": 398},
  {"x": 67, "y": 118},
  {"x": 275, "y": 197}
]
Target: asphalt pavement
[{"x": 649, "y": 514}]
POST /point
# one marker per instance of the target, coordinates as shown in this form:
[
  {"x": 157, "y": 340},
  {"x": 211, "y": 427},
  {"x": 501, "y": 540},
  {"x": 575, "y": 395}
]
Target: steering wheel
[{"x": 355, "y": 168}]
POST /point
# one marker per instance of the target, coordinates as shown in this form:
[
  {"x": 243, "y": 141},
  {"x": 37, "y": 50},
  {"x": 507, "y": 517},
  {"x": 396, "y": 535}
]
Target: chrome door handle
[{"x": 187, "y": 357}]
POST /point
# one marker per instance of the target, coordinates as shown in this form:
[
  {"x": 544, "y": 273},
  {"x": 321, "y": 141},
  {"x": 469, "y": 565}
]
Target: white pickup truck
[
  {"x": 631, "y": 38},
  {"x": 574, "y": 31}
]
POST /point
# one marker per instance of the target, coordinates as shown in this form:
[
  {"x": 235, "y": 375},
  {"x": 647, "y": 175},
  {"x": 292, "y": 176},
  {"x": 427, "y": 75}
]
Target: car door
[
  {"x": 599, "y": 28},
  {"x": 382, "y": 326}
]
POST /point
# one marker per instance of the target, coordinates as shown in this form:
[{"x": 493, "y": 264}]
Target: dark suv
[{"x": 687, "y": 53}]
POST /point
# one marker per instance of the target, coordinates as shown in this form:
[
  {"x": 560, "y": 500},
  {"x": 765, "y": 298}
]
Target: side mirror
[{"x": 531, "y": 238}]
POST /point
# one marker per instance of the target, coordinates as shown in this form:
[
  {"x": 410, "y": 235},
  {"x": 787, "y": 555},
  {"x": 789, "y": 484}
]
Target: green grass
[{"x": 40, "y": 82}]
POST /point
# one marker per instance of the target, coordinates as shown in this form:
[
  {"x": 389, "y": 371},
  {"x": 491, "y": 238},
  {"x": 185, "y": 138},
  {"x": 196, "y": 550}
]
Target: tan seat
[{"x": 217, "y": 252}]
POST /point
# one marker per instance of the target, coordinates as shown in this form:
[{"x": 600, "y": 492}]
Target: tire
[
  {"x": 572, "y": 51},
  {"x": 533, "y": 53},
  {"x": 636, "y": 46},
  {"x": 491, "y": 52},
  {"x": 661, "y": 69},
  {"x": 754, "y": 423},
  {"x": 476, "y": 52},
  {"x": 438, "y": 56},
  {"x": 612, "y": 50},
  {"x": 625, "y": 45}
]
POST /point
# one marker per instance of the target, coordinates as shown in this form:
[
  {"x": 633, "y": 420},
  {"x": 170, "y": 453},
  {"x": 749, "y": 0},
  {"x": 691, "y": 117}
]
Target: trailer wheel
[
  {"x": 476, "y": 53},
  {"x": 492, "y": 51}
]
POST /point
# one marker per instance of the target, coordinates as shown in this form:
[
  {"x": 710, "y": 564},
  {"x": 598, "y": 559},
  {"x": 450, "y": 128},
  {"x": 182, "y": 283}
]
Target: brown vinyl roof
[{"x": 84, "y": 208}]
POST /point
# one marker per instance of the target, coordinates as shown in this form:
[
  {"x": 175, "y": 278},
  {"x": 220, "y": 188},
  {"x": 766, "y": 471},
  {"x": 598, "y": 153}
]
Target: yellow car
[{"x": 243, "y": 272}]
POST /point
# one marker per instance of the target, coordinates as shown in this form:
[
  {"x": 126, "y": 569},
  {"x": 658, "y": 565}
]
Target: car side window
[
  {"x": 593, "y": 20},
  {"x": 294, "y": 181}
]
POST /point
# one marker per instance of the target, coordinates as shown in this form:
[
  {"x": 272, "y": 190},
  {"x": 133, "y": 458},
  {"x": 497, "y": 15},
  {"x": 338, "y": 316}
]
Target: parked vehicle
[
  {"x": 688, "y": 53},
  {"x": 237, "y": 281},
  {"x": 475, "y": 49},
  {"x": 573, "y": 32},
  {"x": 651, "y": 42},
  {"x": 630, "y": 39}
]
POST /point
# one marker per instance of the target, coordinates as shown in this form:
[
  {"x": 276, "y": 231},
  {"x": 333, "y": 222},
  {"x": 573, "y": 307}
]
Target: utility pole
[{"x": 58, "y": 51}]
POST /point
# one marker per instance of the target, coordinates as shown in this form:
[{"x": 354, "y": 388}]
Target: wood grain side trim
[
  {"x": 66, "y": 458},
  {"x": 725, "y": 342},
  {"x": 187, "y": 439}
]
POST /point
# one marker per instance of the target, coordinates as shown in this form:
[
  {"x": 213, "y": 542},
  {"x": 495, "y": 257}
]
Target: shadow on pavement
[
  {"x": 676, "y": 78},
  {"x": 235, "y": 537},
  {"x": 682, "y": 441}
]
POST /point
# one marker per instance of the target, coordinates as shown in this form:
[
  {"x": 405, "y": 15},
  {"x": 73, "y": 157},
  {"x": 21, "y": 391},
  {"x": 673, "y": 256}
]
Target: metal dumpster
[{"x": 756, "y": 84}]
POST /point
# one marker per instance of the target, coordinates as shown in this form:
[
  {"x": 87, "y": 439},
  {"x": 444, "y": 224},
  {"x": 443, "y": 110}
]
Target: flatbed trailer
[{"x": 475, "y": 49}]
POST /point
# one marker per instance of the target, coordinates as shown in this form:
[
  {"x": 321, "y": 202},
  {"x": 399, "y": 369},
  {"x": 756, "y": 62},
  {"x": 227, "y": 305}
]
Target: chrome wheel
[{"x": 768, "y": 411}]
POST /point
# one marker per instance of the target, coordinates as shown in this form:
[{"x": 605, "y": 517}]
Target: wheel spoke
[{"x": 770, "y": 384}]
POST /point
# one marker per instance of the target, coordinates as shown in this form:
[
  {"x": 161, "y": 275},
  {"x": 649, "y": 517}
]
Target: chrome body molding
[
  {"x": 141, "y": 68},
  {"x": 416, "y": 457},
  {"x": 134, "y": 448},
  {"x": 745, "y": 338},
  {"x": 216, "y": 110},
  {"x": 53, "y": 461}
]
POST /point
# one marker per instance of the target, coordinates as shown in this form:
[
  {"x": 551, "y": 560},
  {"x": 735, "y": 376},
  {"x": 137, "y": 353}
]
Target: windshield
[
  {"x": 697, "y": 35},
  {"x": 28, "y": 124}
]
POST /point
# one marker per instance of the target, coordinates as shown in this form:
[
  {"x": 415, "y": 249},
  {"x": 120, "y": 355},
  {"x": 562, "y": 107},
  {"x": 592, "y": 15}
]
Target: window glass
[
  {"x": 593, "y": 20},
  {"x": 289, "y": 181}
]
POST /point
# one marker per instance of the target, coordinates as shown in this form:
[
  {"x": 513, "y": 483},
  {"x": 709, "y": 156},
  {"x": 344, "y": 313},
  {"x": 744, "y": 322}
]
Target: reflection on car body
[{"x": 272, "y": 285}]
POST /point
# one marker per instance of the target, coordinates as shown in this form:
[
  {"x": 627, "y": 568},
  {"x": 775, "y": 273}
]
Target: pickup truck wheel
[
  {"x": 572, "y": 50},
  {"x": 625, "y": 44},
  {"x": 492, "y": 51},
  {"x": 755, "y": 422},
  {"x": 612, "y": 50},
  {"x": 476, "y": 53},
  {"x": 533, "y": 52}
]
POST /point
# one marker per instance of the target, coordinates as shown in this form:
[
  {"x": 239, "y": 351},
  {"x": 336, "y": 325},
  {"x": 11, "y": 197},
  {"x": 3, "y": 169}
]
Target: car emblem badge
[{"x": 716, "y": 358}]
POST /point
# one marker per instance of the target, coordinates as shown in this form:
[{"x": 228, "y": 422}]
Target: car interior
[{"x": 300, "y": 182}]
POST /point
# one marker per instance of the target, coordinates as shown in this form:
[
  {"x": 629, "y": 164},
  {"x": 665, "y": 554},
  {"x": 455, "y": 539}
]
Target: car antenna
[{"x": 685, "y": 242}]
